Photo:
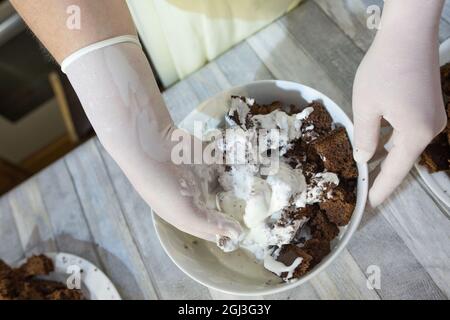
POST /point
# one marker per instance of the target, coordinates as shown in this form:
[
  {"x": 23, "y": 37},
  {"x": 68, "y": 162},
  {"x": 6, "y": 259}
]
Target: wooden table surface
[{"x": 84, "y": 205}]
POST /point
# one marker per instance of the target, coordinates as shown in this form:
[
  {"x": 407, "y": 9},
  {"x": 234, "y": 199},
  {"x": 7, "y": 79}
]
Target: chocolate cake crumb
[
  {"x": 320, "y": 119},
  {"x": 37, "y": 266},
  {"x": 340, "y": 206},
  {"x": 287, "y": 255},
  {"x": 19, "y": 284},
  {"x": 317, "y": 249},
  {"x": 436, "y": 156},
  {"x": 322, "y": 228},
  {"x": 336, "y": 153},
  {"x": 258, "y": 109}
]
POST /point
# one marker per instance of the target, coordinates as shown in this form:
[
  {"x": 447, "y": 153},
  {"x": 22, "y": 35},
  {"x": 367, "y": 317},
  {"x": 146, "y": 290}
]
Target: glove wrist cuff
[{"x": 96, "y": 46}]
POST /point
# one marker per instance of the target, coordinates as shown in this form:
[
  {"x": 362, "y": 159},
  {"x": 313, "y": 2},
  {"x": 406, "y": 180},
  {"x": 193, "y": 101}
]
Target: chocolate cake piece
[
  {"x": 336, "y": 153},
  {"x": 308, "y": 211},
  {"x": 257, "y": 109},
  {"x": 437, "y": 154},
  {"x": 317, "y": 249},
  {"x": 340, "y": 206},
  {"x": 4, "y": 269},
  {"x": 28, "y": 291},
  {"x": 448, "y": 123},
  {"x": 287, "y": 255},
  {"x": 320, "y": 119},
  {"x": 46, "y": 287},
  {"x": 65, "y": 294},
  {"x": 52, "y": 290},
  {"x": 37, "y": 266},
  {"x": 7, "y": 288},
  {"x": 445, "y": 80},
  {"x": 322, "y": 228},
  {"x": 19, "y": 284}
]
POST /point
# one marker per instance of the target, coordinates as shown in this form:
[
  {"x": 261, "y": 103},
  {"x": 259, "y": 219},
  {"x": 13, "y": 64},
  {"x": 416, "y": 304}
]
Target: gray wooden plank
[
  {"x": 351, "y": 17},
  {"x": 446, "y": 12},
  {"x": 424, "y": 229},
  {"x": 304, "y": 292},
  {"x": 241, "y": 65},
  {"x": 438, "y": 202},
  {"x": 343, "y": 280},
  {"x": 444, "y": 30},
  {"x": 32, "y": 221},
  {"x": 325, "y": 43},
  {"x": 71, "y": 231},
  {"x": 180, "y": 100},
  {"x": 11, "y": 249},
  {"x": 115, "y": 245},
  {"x": 169, "y": 281},
  {"x": 286, "y": 60},
  {"x": 208, "y": 81},
  {"x": 377, "y": 244}
]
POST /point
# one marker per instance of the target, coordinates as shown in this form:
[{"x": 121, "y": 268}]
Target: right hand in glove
[{"x": 399, "y": 80}]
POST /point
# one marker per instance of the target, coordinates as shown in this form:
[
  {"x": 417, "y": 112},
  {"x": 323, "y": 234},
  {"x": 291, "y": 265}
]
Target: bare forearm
[{"x": 100, "y": 20}]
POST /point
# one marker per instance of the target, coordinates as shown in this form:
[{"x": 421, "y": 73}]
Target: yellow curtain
[{"x": 182, "y": 35}]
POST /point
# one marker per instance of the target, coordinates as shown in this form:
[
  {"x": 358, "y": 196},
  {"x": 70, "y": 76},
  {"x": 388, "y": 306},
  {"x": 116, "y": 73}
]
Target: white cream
[
  {"x": 283, "y": 234},
  {"x": 279, "y": 268},
  {"x": 315, "y": 191},
  {"x": 242, "y": 107},
  {"x": 284, "y": 184},
  {"x": 257, "y": 200},
  {"x": 258, "y": 203}
]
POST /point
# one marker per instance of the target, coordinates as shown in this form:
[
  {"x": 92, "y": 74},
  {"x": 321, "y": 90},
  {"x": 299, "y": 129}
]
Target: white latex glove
[
  {"x": 399, "y": 80},
  {"x": 119, "y": 94}
]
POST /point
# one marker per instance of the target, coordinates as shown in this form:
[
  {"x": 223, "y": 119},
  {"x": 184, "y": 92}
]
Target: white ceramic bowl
[
  {"x": 95, "y": 285},
  {"x": 237, "y": 273}
]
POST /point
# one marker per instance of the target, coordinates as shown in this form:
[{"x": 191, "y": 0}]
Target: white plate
[
  {"x": 439, "y": 182},
  {"x": 237, "y": 273},
  {"x": 95, "y": 285}
]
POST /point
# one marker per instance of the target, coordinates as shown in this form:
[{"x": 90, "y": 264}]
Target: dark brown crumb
[
  {"x": 287, "y": 256},
  {"x": 436, "y": 157},
  {"x": 37, "y": 266},
  {"x": 299, "y": 213},
  {"x": 340, "y": 206},
  {"x": 337, "y": 153},
  {"x": 257, "y": 109},
  {"x": 19, "y": 284},
  {"x": 65, "y": 294},
  {"x": 437, "y": 154},
  {"x": 317, "y": 249},
  {"x": 322, "y": 228},
  {"x": 319, "y": 118}
]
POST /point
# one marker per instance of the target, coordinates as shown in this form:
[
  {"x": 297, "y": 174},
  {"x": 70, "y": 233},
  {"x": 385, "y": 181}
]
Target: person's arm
[
  {"x": 100, "y": 20},
  {"x": 399, "y": 80},
  {"x": 119, "y": 94}
]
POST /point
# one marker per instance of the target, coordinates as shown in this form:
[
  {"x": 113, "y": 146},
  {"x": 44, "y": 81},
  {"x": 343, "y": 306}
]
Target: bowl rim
[{"x": 340, "y": 246}]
